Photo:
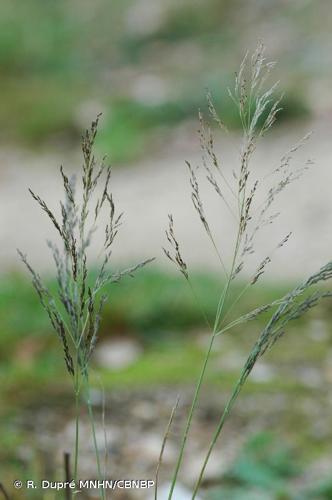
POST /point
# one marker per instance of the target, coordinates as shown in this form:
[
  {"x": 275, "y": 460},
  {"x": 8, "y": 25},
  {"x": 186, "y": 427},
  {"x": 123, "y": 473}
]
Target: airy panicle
[
  {"x": 75, "y": 311},
  {"x": 240, "y": 190}
]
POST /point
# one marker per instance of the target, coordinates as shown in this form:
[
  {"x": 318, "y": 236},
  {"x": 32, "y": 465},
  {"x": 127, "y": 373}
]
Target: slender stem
[
  {"x": 190, "y": 416},
  {"x": 212, "y": 444},
  {"x": 215, "y": 333},
  {"x": 220, "y": 308},
  {"x": 197, "y": 391},
  {"x": 167, "y": 431},
  {"x": 104, "y": 428},
  {"x": 77, "y": 406},
  {"x": 94, "y": 437},
  {"x": 222, "y": 420},
  {"x": 77, "y": 415}
]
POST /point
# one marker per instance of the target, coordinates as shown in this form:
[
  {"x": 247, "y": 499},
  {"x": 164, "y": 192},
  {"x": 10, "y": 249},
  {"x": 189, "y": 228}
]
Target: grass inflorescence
[
  {"x": 258, "y": 107},
  {"x": 75, "y": 308}
]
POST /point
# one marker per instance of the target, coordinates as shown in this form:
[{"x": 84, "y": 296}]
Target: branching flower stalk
[
  {"x": 76, "y": 307},
  {"x": 258, "y": 108}
]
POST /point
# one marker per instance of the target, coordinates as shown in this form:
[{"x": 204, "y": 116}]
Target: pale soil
[{"x": 148, "y": 191}]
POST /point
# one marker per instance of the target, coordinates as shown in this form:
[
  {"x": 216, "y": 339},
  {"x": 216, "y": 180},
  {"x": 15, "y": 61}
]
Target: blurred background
[{"x": 146, "y": 66}]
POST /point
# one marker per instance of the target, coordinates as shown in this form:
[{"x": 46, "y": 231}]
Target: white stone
[{"x": 117, "y": 354}]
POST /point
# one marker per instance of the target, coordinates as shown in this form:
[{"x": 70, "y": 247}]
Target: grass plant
[
  {"x": 76, "y": 306},
  {"x": 257, "y": 105}
]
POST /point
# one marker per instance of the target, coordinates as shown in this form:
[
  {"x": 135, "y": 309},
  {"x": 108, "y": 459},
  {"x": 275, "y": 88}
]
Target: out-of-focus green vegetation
[
  {"x": 144, "y": 64},
  {"x": 156, "y": 308},
  {"x": 159, "y": 311},
  {"x": 151, "y": 306}
]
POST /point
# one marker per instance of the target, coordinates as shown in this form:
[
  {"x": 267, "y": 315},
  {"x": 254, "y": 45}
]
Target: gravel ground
[{"x": 134, "y": 427}]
